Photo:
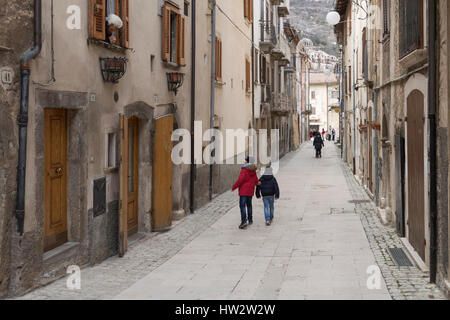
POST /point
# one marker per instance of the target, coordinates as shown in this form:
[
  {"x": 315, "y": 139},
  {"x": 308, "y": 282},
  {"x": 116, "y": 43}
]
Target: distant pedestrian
[
  {"x": 318, "y": 145},
  {"x": 246, "y": 184},
  {"x": 323, "y": 134},
  {"x": 334, "y": 134},
  {"x": 270, "y": 192}
]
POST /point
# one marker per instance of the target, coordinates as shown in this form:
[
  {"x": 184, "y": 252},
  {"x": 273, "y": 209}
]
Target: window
[
  {"x": 263, "y": 71},
  {"x": 386, "y": 17},
  {"x": 98, "y": 27},
  {"x": 111, "y": 150},
  {"x": 248, "y": 10},
  {"x": 186, "y": 9},
  {"x": 173, "y": 35},
  {"x": 365, "y": 57},
  {"x": 256, "y": 61},
  {"x": 349, "y": 80},
  {"x": 152, "y": 63},
  {"x": 218, "y": 59},
  {"x": 410, "y": 26},
  {"x": 247, "y": 75}
]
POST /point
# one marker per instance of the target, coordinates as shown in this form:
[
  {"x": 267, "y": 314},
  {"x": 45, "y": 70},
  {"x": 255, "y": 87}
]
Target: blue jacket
[{"x": 268, "y": 187}]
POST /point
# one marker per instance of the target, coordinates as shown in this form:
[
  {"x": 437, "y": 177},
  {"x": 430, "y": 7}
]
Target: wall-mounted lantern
[
  {"x": 175, "y": 81},
  {"x": 113, "y": 69}
]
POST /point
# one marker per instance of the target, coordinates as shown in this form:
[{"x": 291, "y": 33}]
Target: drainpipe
[
  {"x": 341, "y": 105},
  {"x": 193, "y": 56},
  {"x": 433, "y": 145},
  {"x": 375, "y": 147},
  {"x": 353, "y": 76},
  {"x": 22, "y": 119},
  {"x": 213, "y": 85}
]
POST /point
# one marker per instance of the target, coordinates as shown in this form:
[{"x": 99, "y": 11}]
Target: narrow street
[{"x": 316, "y": 249}]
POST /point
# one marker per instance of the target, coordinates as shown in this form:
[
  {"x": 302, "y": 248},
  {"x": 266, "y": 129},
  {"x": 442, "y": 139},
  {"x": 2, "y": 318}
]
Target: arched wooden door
[
  {"x": 416, "y": 172},
  {"x": 162, "y": 174}
]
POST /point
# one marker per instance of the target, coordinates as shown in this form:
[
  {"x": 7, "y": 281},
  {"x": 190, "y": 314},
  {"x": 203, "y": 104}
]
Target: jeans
[
  {"x": 246, "y": 203},
  {"x": 268, "y": 207},
  {"x": 318, "y": 152}
]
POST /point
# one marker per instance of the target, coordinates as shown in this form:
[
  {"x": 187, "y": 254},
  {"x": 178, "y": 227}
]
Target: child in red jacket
[{"x": 246, "y": 183}]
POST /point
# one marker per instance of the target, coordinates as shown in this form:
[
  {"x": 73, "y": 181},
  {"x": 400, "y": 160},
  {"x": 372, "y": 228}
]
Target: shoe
[
  {"x": 268, "y": 223},
  {"x": 250, "y": 222},
  {"x": 243, "y": 225}
]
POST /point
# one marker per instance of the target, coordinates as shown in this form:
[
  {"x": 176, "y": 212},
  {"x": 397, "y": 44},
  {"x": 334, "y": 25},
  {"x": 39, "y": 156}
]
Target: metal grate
[{"x": 400, "y": 258}]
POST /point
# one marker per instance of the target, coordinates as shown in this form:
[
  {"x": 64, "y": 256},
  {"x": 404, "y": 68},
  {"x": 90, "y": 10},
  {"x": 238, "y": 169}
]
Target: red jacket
[{"x": 247, "y": 181}]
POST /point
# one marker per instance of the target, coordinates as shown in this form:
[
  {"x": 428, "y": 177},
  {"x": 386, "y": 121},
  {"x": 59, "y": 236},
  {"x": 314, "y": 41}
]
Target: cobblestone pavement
[
  {"x": 403, "y": 283},
  {"x": 115, "y": 274},
  {"x": 319, "y": 247}
]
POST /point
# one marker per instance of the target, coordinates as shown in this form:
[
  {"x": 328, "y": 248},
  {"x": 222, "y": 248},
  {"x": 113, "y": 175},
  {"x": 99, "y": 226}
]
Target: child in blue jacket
[{"x": 270, "y": 191}]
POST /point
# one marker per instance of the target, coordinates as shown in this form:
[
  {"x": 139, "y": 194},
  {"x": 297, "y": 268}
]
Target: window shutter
[
  {"x": 181, "y": 43},
  {"x": 247, "y": 75},
  {"x": 97, "y": 19},
  {"x": 218, "y": 56},
  {"x": 126, "y": 23},
  {"x": 364, "y": 54},
  {"x": 166, "y": 33},
  {"x": 410, "y": 26},
  {"x": 386, "y": 16},
  {"x": 245, "y": 8},
  {"x": 255, "y": 65}
]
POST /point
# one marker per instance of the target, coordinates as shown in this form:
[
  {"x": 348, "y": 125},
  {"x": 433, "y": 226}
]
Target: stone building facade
[
  {"x": 16, "y": 36},
  {"x": 443, "y": 145},
  {"x": 391, "y": 142},
  {"x": 111, "y": 82}
]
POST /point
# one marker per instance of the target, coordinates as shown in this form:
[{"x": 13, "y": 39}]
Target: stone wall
[
  {"x": 443, "y": 146},
  {"x": 16, "y": 36}
]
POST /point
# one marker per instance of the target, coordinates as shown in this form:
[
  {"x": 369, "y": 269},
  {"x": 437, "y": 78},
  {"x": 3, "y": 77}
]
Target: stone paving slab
[
  {"x": 310, "y": 252},
  {"x": 115, "y": 274},
  {"x": 404, "y": 283}
]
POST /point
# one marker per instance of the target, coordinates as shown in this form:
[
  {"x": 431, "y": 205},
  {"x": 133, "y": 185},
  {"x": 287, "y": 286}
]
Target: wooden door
[
  {"x": 129, "y": 178},
  {"x": 55, "y": 178},
  {"x": 133, "y": 175},
  {"x": 123, "y": 207},
  {"x": 162, "y": 174},
  {"x": 416, "y": 175},
  {"x": 370, "y": 160}
]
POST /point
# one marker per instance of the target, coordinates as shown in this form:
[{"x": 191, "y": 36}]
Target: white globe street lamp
[{"x": 333, "y": 18}]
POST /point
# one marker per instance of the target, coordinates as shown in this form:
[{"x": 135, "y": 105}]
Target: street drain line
[{"x": 400, "y": 258}]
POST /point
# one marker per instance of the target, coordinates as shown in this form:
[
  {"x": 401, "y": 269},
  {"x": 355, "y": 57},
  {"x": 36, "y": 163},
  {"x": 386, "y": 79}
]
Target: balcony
[
  {"x": 276, "y": 2},
  {"x": 290, "y": 69},
  {"x": 280, "y": 103},
  {"x": 277, "y": 54},
  {"x": 268, "y": 37},
  {"x": 283, "y": 11},
  {"x": 283, "y": 62}
]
